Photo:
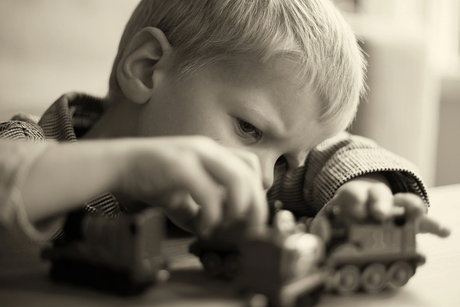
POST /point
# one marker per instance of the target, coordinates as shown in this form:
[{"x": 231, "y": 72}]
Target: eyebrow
[{"x": 266, "y": 119}]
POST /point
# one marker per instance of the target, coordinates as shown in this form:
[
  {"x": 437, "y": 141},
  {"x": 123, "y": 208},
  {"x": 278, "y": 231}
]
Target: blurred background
[{"x": 50, "y": 47}]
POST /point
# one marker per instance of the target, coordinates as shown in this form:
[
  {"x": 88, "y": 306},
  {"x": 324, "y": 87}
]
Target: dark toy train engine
[
  {"x": 282, "y": 265},
  {"x": 220, "y": 253},
  {"x": 120, "y": 255}
]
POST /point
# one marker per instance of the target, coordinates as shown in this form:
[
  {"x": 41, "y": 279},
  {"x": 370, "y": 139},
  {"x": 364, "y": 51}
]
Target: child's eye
[{"x": 248, "y": 130}]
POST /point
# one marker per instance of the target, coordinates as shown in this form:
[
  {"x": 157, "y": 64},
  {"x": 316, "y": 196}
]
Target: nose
[
  {"x": 267, "y": 180},
  {"x": 268, "y": 168}
]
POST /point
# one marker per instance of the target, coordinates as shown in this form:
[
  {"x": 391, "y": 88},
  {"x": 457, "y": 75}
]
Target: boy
[{"x": 211, "y": 103}]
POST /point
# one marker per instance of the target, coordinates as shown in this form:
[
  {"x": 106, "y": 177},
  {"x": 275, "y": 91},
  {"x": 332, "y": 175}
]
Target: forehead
[
  {"x": 278, "y": 71},
  {"x": 275, "y": 88}
]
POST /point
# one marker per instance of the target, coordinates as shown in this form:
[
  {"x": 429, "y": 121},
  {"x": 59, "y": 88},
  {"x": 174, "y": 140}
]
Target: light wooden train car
[
  {"x": 368, "y": 255},
  {"x": 120, "y": 255}
]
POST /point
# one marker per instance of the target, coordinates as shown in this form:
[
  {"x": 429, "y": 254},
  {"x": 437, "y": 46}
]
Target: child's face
[{"x": 253, "y": 106}]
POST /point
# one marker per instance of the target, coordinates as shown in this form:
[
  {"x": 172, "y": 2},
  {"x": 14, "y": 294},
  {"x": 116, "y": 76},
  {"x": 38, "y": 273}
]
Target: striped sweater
[{"x": 304, "y": 190}]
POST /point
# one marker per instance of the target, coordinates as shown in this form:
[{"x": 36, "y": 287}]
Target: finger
[
  {"x": 258, "y": 209},
  {"x": 243, "y": 186},
  {"x": 413, "y": 204},
  {"x": 183, "y": 211},
  {"x": 380, "y": 202},
  {"x": 429, "y": 225},
  {"x": 258, "y": 213},
  {"x": 203, "y": 189},
  {"x": 349, "y": 202},
  {"x": 239, "y": 173},
  {"x": 251, "y": 160}
]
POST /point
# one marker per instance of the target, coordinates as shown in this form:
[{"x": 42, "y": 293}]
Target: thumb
[{"x": 428, "y": 225}]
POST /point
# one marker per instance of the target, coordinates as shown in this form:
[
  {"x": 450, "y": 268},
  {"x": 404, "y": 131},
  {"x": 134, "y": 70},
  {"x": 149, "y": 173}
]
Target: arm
[
  {"x": 373, "y": 183},
  {"x": 21, "y": 143},
  {"x": 16, "y": 158},
  {"x": 346, "y": 157},
  {"x": 357, "y": 179},
  {"x": 353, "y": 175},
  {"x": 196, "y": 181},
  {"x": 337, "y": 161}
]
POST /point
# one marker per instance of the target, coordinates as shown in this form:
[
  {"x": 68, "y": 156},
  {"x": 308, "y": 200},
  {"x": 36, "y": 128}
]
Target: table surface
[{"x": 24, "y": 280}]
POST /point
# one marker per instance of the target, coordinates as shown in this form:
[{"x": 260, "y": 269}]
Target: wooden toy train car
[
  {"x": 282, "y": 265},
  {"x": 368, "y": 255},
  {"x": 220, "y": 253},
  {"x": 120, "y": 255}
]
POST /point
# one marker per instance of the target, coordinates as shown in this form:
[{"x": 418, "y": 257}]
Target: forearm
[
  {"x": 65, "y": 176},
  {"x": 346, "y": 157},
  {"x": 335, "y": 162}
]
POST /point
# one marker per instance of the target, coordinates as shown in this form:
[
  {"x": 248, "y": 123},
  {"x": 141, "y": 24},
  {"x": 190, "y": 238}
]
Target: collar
[{"x": 71, "y": 116}]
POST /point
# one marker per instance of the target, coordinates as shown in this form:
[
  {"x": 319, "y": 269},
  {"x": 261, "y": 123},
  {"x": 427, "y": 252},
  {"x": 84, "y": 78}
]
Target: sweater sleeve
[
  {"x": 337, "y": 160},
  {"x": 21, "y": 143}
]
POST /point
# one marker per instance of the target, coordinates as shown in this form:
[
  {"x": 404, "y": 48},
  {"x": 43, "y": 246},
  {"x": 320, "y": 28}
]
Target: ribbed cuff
[{"x": 348, "y": 164}]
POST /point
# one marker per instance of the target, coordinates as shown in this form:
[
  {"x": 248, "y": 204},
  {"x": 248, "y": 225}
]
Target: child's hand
[
  {"x": 370, "y": 196},
  {"x": 198, "y": 182}
]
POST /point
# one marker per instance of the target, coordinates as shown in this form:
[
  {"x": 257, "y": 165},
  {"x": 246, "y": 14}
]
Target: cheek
[
  {"x": 174, "y": 116},
  {"x": 219, "y": 128},
  {"x": 204, "y": 121}
]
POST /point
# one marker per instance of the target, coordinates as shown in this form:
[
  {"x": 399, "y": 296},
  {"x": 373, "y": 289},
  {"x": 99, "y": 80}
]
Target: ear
[{"x": 136, "y": 71}]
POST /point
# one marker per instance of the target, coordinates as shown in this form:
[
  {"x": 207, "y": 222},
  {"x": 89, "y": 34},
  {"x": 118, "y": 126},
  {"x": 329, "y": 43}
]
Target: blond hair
[{"x": 312, "y": 32}]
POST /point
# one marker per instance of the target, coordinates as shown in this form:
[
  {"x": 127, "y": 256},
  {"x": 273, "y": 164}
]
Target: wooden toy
[
  {"x": 368, "y": 255},
  {"x": 220, "y": 253},
  {"x": 282, "y": 265},
  {"x": 120, "y": 255}
]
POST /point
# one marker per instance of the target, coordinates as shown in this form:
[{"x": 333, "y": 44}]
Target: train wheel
[
  {"x": 212, "y": 263},
  {"x": 347, "y": 279},
  {"x": 399, "y": 273},
  {"x": 374, "y": 277},
  {"x": 231, "y": 265}
]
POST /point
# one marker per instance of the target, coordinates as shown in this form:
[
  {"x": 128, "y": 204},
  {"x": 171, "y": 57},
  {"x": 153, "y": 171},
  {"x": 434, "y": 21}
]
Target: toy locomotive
[
  {"x": 368, "y": 255},
  {"x": 282, "y": 265},
  {"x": 120, "y": 255},
  {"x": 220, "y": 253}
]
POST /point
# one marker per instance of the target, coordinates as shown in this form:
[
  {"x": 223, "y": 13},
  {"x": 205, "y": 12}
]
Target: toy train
[
  {"x": 282, "y": 265},
  {"x": 370, "y": 255},
  {"x": 290, "y": 266},
  {"x": 220, "y": 253},
  {"x": 122, "y": 255},
  {"x": 286, "y": 263}
]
